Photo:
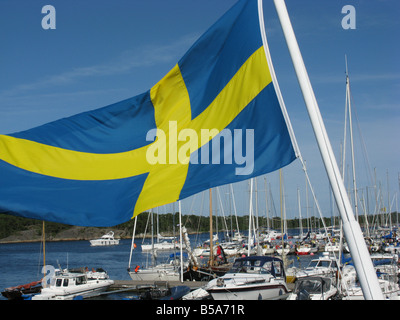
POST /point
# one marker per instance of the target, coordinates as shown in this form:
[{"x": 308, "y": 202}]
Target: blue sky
[{"x": 103, "y": 52}]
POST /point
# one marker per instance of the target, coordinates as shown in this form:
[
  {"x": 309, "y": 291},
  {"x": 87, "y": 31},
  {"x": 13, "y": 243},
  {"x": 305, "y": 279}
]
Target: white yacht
[
  {"x": 324, "y": 265},
  {"x": 251, "y": 278},
  {"x": 105, "y": 240},
  {"x": 69, "y": 285}
]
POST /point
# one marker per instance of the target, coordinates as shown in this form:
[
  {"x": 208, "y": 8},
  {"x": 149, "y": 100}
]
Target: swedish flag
[{"x": 102, "y": 167}]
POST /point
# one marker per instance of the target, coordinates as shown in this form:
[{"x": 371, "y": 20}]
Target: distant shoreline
[
  {"x": 74, "y": 233},
  {"x": 26, "y": 236}
]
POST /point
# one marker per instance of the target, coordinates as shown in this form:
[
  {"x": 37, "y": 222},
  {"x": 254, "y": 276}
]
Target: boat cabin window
[
  {"x": 322, "y": 264},
  {"x": 326, "y": 264},
  {"x": 65, "y": 284},
  {"x": 257, "y": 266},
  {"x": 80, "y": 280},
  {"x": 273, "y": 267},
  {"x": 58, "y": 282},
  {"x": 313, "y": 286}
]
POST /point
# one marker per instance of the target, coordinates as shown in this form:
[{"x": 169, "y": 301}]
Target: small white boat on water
[
  {"x": 105, "y": 240},
  {"x": 307, "y": 248},
  {"x": 314, "y": 288},
  {"x": 69, "y": 285},
  {"x": 251, "y": 278},
  {"x": 324, "y": 265},
  {"x": 332, "y": 247}
]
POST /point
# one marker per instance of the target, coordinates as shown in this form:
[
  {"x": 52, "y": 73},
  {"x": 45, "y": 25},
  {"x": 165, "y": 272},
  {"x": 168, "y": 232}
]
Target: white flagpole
[{"x": 352, "y": 231}]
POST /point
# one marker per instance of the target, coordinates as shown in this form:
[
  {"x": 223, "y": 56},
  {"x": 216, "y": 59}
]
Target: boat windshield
[
  {"x": 257, "y": 266},
  {"x": 312, "y": 286},
  {"x": 321, "y": 264}
]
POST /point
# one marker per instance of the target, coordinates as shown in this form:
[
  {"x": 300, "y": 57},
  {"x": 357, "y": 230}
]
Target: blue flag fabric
[{"x": 213, "y": 119}]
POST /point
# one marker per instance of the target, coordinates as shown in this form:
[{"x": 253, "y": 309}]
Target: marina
[
  {"x": 107, "y": 166},
  {"x": 24, "y": 257}
]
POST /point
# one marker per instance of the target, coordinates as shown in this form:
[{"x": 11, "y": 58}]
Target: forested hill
[
  {"x": 17, "y": 229},
  {"x": 14, "y": 229}
]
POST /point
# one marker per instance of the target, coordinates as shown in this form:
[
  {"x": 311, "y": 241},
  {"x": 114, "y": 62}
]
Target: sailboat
[
  {"x": 217, "y": 261},
  {"x": 169, "y": 271}
]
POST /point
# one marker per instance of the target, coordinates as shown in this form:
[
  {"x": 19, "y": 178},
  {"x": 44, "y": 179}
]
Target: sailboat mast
[
  {"x": 250, "y": 218},
  {"x": 44, "y": 253},
  {"x": 351, "y": 141},
  {"x": 234, "y": 209},
  {"x": 132, "y": 243},
  {"x": 298, "y": 201},
  {"x": 282, "y": 218},
  {"x": 180, "y": 242},
  {"x": 211, "y": 262},
  {"x": 359, "y": 252}
]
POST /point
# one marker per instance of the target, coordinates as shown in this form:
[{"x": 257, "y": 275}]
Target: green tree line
[{"x": 169, "y": 223}]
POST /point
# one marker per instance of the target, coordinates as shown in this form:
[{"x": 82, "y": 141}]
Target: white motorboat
[
  {"x": 251, "y": 278},
  {"x": 314, "y": 288},
  {"x": 68, "y": 285},
  {"x": 105, "y": 240},
  {"x": 332, "y": 247},
  {"x": 324, "y": 265}
]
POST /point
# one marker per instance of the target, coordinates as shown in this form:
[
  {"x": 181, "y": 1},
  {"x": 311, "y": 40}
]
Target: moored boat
[
  {"x": 106, "y": 240},
  {"x": 17, "y": 292},
  {"x": 251, "y": 278},
  {"x": 325, "y": 265},
  {"x": 314, "y": 288},
  {"x": 69, "y": 285}
]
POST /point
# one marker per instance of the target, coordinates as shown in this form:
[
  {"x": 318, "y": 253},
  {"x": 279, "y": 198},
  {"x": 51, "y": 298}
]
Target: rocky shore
[{"x": 73, "y": 234}]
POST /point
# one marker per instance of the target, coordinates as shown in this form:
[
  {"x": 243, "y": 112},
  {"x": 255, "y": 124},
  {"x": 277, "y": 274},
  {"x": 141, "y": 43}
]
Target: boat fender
[{"x": 137, "y": 269}]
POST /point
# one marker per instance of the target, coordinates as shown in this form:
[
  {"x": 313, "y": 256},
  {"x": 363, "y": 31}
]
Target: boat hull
[
  {"x": 155, "y": 275},
  {"x": 261, "y": 292},
  {"x": 89, "y": 290},
  {"x": 102, "y": 243}
]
